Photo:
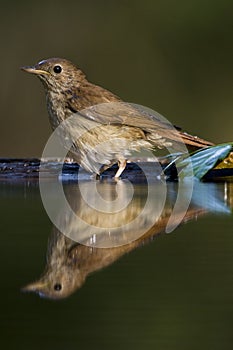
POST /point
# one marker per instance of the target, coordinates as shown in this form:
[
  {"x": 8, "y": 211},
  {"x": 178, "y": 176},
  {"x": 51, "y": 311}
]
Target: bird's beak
[
  {"x": 34, "y": 70},
  {"x": 35, "y": 286}
]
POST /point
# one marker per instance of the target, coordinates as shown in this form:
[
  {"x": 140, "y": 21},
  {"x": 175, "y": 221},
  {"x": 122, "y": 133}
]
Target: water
[{"x": 164, "y": 291}]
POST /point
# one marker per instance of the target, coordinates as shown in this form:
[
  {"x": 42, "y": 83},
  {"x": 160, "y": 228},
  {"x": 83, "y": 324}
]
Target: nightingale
[{"x": 102, "y": 136}]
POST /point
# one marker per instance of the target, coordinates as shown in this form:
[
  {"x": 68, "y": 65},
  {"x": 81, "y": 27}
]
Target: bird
[{"x": 106, "y": 130}]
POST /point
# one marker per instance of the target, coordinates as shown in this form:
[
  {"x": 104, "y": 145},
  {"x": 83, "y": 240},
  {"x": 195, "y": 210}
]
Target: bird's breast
[{"x": 56, "y": 109}]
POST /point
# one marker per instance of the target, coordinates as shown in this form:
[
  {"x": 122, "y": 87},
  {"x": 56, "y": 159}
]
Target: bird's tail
[{"x": 194, "y": 142}]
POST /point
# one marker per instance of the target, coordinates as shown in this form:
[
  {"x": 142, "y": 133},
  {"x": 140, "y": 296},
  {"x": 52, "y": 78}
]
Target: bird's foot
[{"x": 121, "y": 164}]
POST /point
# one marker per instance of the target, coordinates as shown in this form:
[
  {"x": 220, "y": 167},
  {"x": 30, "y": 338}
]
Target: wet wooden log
[{"x": 15, "y": 169}]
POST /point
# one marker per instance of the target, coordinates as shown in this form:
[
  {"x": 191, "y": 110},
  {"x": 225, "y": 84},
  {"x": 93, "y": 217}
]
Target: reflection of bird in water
[
  {"x": 102, "y": 137},
  {"x": 69, "y": 263}
]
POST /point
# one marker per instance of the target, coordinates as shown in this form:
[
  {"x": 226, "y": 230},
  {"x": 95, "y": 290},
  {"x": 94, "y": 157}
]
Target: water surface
[{"x": 165, "y": 291}]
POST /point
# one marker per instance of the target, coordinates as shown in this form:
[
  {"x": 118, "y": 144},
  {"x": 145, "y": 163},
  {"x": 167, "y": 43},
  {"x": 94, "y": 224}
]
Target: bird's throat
[{"x": 57, "y": 108}]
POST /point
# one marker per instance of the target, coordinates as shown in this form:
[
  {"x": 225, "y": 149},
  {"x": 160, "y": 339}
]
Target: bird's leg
[
  {"x": 102, "y": 169},
  {"x": 121, "y": 164},
  {"x": 105, "y": 167}
]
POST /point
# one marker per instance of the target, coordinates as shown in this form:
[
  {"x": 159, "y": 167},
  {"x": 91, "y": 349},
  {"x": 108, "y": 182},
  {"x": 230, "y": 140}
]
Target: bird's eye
[
  {"x": 57, "y": 287},
  {"x": 57, "y": 69}
]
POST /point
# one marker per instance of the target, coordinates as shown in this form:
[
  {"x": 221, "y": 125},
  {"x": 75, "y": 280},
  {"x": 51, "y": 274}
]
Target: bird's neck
[{"x": 62, "y": 104}]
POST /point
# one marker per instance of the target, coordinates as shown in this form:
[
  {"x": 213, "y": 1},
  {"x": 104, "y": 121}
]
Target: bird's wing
[
  {"x": 125, "y": 114},
  {"x": 149, "y": 121}
]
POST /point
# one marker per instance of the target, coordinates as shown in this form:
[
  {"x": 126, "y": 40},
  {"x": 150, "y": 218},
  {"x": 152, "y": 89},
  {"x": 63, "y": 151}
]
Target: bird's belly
[{"x": 105, "y": 145}]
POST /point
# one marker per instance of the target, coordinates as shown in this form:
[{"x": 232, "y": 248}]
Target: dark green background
[{"x": 173, "y": 56}]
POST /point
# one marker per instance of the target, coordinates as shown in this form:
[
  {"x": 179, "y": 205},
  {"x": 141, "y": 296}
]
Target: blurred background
[{"x": 173, "y": 56}]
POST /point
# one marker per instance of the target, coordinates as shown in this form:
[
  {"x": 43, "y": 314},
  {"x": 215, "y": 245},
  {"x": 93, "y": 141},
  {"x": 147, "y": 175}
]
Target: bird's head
[
  {"x": 56, "y": 284},
  {"x": 57, "y": 74}
]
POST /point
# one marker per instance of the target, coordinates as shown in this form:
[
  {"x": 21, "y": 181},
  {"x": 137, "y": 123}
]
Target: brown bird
[{"x": 107, "y": 130}]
